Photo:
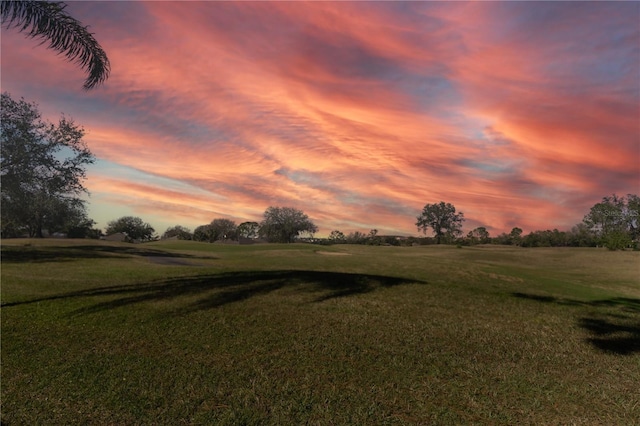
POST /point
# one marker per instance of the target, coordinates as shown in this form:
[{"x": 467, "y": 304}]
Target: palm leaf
[{"x": 66, "y": 35}]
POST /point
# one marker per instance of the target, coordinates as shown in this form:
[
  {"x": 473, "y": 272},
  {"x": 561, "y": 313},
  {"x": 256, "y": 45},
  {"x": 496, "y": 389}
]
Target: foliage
[
  {"x": 546, "y": 238},
  {"x": 337, "y": 237},
  {"x": 442, "y": 219},
  {"x": 48, "y": 21},
  {"x": 202, "y": 233},
  {"x": 581, "y": 236},
  {"x": 617, "y": 240},
  {"x": 248, "y": 229},
  {"x": 615, "y": 214},
  {"x": 515, "y": 236},
  {"x": 223, "y": 229},
  {"x": 179, "y": 232},
  {"x": 134, "y": 227},
  {"x": 42, "y": 170},
  {"x": 217, "y": 230},
  {"x": 356, "y": 237},
  {"x": 284, "y": 224},
  {"x": 373, "y": 239},
  {"x": 479, "y": 235}
]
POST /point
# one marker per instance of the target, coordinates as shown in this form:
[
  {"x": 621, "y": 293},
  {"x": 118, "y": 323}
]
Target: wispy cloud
[{"x": 520, "y": 114}]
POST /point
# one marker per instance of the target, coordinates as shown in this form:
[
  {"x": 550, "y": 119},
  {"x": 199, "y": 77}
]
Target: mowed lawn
[{"x": 172, "y": 333}]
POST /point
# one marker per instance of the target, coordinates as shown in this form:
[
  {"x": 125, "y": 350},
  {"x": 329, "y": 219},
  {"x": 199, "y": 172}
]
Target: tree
[
  {"x": 48, "y": 21},
  {"x": 284, "y": 224},
  {"x": 248, "y": 229},
  {"x": 442, "y": 219},
  {"x": 581, "y": 236},
  {"x": 179, "y": 232},
  {"x": 614, "y": 217},
  {"x": 202, "y": 233},
  {"x": 515, "y": 236},
  {"x": 337, "y": 237},
  {"x": 42, "y": 169},
  {"x": 134, "y": 227},
  {"x": 373, "y": 239},
  {"x": 356, "y": 237},
  {"x": 218, "y": 229},
  {"x": 479, "y": 235},
  {"x": 222, "y": 229}
]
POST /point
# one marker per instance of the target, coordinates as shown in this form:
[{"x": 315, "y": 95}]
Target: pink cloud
[{"x": 357, "y": 113}]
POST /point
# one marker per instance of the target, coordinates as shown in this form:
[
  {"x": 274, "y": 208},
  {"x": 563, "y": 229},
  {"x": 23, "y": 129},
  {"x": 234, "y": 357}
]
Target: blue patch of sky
[
  {"x": 488, "y": 167},
  {"x": 343, "y": 195},
  {"x": 435, "y": 95},
  {"x": 131, "y": 174},
  {"x": 129, "y": 17},
  {"x": 603, "y": 53}
]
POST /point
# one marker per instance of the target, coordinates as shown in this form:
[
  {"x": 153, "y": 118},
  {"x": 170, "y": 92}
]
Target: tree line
[
  {"x": 43, "y": 169},
  {"x": 279, "y": 225}
]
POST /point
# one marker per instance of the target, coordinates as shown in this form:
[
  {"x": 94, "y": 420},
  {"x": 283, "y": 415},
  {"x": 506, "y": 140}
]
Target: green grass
[{"x": 194, "y": 333}]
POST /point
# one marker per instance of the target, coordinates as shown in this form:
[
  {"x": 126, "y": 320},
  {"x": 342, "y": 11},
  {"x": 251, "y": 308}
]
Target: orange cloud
[{"x": 357, "y": 113}]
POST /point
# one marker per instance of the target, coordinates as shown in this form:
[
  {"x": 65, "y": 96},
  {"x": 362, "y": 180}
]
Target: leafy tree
[
  {"x": 284, "y": 224},
  {"x": 337, "y": 237},
  {"x": 515, "y": 236},
  {"x": 179, "y": 232},
  {"x": 614, "y": 215},
  {"x": 373, "y": 239},
  {"x": 581, "y": 236},
  {"x": 442, "y": 219},
  {"x": 248, "y": 229},
  {"x": 222, "y": 229},
  {"x": 546, "y": 238},
  {"x": 218, "y": 229},
  {"x": 356, "y": 237},
  {"x": 479, "y": 235},
  {"x": 203, "y": 233},
  {"x": 633, "y": 216},
  {"x": 48, "y": 21},
  {"x": 617, "y": 240},
  {"x": 134, "y": 227},
  {"x": 42, "y": 168}
]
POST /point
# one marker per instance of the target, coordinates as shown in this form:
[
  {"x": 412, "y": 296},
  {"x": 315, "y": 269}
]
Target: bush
[{"x": 617, "y": 240}]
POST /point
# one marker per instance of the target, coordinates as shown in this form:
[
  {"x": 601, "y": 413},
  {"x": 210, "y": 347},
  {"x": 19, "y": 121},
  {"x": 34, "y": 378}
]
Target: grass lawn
[{"x": 194, "y": 333}]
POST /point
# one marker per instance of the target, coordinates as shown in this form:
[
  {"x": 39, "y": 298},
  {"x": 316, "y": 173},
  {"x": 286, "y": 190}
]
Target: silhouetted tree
[
  {"x": 479, "y": 235},
  {"x": 203, "y": 233},
  {"x": 284, "y": 224},
  {"x": 134, "y": 227},
  {"x": 180, "y": 232},
  {"x": 248, "y": 229},
  {"x": 337, "y": 237},
  {"x": 615, "y": 220},
  {"x": 42, "y": 168},
  {"x": 222, "y": 229},
  {"x": 356, "y": 237},
  {"x": 442, "y": 219}
]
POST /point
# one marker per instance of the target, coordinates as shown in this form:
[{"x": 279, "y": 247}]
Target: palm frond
[{"x": 66, "y": 35}]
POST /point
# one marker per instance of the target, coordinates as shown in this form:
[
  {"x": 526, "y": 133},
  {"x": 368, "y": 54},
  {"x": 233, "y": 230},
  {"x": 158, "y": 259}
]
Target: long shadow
[
  {"x": 221, "y": 289},
  {"x": 618, "y": 333},
  {"x": 27, "y": 254}
]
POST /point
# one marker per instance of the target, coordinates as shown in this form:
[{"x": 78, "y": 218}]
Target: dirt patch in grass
[{"x": 333, "y": 253}]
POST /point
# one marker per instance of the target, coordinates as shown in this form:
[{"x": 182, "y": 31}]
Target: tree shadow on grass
[
  {"x": 28, "y": 254},
  {"x": 616, "y": 329},
  {"x": 213, "y": 291}
]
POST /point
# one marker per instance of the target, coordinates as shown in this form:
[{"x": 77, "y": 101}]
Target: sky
[{"x": 358, "y": 113}]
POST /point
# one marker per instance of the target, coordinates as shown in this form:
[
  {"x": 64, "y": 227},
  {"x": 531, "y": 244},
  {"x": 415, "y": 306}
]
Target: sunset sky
[{"x": 358, "y": 113}]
